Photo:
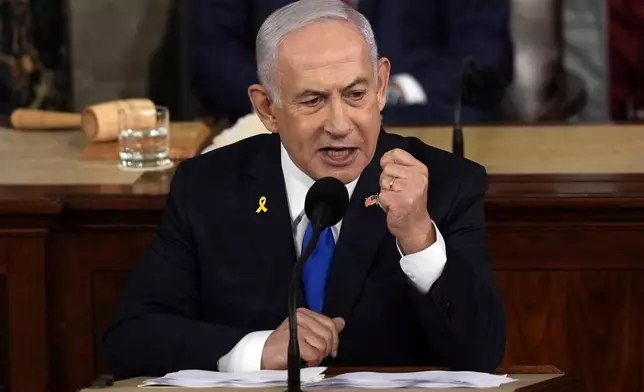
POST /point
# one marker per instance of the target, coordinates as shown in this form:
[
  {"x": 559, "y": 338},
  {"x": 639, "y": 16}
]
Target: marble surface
[
  {"x": 561, "y": 149},
  {"x": 53, "y": 158}
]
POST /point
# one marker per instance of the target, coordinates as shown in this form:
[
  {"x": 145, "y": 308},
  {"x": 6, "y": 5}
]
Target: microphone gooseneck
[
  {"x": 325, "y": 204},
  {"x": 457, "y": 132},
  {"x": 478, "y": 86},
  {"x": 293, "y": 343}
]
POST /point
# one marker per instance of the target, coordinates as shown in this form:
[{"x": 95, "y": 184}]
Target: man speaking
[{"x": 403, "y": 279}]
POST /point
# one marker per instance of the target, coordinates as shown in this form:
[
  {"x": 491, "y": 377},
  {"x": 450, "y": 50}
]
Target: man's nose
[{"x": 338, "y": 121}]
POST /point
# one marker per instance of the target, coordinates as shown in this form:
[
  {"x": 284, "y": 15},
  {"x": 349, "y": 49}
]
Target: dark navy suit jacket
[
  {"x": 217, "y": 270},
  {"x": 428, "y": 39}
]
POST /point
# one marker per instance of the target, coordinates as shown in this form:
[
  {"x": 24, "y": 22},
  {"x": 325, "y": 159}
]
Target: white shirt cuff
[
  {"x": 246, "y": 356},
  {"x": 412, "y": 91},
  {"x": 425, "y": 267}
]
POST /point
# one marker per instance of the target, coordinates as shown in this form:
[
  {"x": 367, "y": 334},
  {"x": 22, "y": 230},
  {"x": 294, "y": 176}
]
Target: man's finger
[
  {"x": 326, "y": 332},
  {"x": 339, "y": 323},
  {"x": 328, "y": 323},
  {"x": 339, "y": 326},
  {"x": 398, "y": 156},
  {"x": 335, "y": 326},
  {"x": 396, "y": 170},
  {"x": 392, "y": 184},
  {"x": 311, "y": 355},
  {"x": 318, "y": 317},
  {"x": 385, "y": 198},
  {"x": 312, "y": 339}
]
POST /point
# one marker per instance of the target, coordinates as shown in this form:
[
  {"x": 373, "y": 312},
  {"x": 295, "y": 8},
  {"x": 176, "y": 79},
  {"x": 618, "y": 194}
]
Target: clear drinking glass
[{"x": 144, "y": 138}]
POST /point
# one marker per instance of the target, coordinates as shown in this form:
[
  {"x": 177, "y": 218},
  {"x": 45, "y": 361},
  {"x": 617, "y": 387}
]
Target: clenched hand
[
  {"x": 404, "y": 184},
  {"x": 317, "y": 336}
]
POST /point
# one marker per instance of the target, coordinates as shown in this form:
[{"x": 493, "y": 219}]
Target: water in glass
[{"x": 143, "y": 148}]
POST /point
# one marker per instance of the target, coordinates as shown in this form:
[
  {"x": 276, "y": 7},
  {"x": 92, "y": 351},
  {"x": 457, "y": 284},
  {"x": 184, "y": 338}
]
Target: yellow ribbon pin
[{"x": 262, "y": 205}]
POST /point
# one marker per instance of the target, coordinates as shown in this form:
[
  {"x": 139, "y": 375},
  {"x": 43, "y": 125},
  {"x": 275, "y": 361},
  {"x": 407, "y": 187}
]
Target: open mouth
[{"x": 338, "y": 156}]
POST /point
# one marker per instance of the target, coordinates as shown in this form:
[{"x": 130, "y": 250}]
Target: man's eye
[
  {"x": 312, "y": 101},
  {"x": 356, "y": 95}
]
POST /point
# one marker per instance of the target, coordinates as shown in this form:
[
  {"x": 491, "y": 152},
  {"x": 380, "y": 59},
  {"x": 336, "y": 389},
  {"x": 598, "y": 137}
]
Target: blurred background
[{"x": 573, "y": 60}]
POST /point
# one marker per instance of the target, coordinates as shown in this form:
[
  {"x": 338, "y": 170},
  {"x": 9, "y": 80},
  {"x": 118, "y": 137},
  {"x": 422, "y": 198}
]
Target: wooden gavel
[{"x": 99, "y": 122}]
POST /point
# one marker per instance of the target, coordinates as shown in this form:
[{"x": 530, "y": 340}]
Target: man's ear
[
  {"x": 263, "y": 105},
  {"x": 384, "y": 68}
]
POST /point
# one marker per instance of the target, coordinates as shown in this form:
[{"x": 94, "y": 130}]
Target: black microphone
[
  {"x": 325, "y": 204},
  {"x": 479, "y": 86}
]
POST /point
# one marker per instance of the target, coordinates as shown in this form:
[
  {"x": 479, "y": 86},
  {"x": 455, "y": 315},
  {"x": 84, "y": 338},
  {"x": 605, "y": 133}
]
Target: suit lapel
[
  {"x": 269, "y": 230},
  {"x": 363, "y": 229}
]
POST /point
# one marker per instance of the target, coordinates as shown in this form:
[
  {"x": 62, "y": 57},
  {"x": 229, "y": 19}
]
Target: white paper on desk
[
  {"x": 425, "y": 379},
  {"x": 204, "y": 379}
]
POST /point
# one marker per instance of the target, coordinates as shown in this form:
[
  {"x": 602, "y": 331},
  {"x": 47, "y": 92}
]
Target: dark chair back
[{"x": 169, "y": 76}]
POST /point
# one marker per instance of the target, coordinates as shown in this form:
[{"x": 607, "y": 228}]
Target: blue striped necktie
[{"x": 316, "y": 269}]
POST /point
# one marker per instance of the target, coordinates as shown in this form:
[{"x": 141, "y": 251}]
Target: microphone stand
[
  {"x": 294, "y": 359},
  {"x": 457, "y": 132}
]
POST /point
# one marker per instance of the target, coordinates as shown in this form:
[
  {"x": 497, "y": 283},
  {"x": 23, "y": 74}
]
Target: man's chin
[{"x": 345, "y": 174}]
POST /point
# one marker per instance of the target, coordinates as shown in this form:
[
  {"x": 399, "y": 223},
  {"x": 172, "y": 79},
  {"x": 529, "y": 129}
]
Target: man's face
[{"x": 329, "y": 114}]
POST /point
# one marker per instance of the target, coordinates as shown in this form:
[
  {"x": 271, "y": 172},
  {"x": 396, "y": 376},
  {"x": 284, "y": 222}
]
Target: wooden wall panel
[
  {"x": 76, "y": 256},
  {"x": 4, "y": 336},
  {"x": 22, "y": 257},
  {"x": 602, "y": 330},
  {"x": 584, "y": 322},
  {"x": 638, "y": 319},
  {"x": 573, "y": 293},
  {"x": 557, "y": 245},
  {"x": 106, "y": 290},
  {"x": 535, "y": 315}
]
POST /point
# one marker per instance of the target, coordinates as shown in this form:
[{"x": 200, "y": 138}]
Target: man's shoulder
[{"x": 232, "y": 158}]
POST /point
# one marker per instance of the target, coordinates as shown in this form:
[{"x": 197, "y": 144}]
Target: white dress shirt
[{"x": 422, "y": 268}]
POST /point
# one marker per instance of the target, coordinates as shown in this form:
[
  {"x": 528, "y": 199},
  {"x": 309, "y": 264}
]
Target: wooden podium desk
[
  {"x": 565, "y": 224},
  {"x": 528, "y": 379}
]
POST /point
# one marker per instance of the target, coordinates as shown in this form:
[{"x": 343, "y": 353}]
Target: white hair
[{"x": 293, "y": 17}]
